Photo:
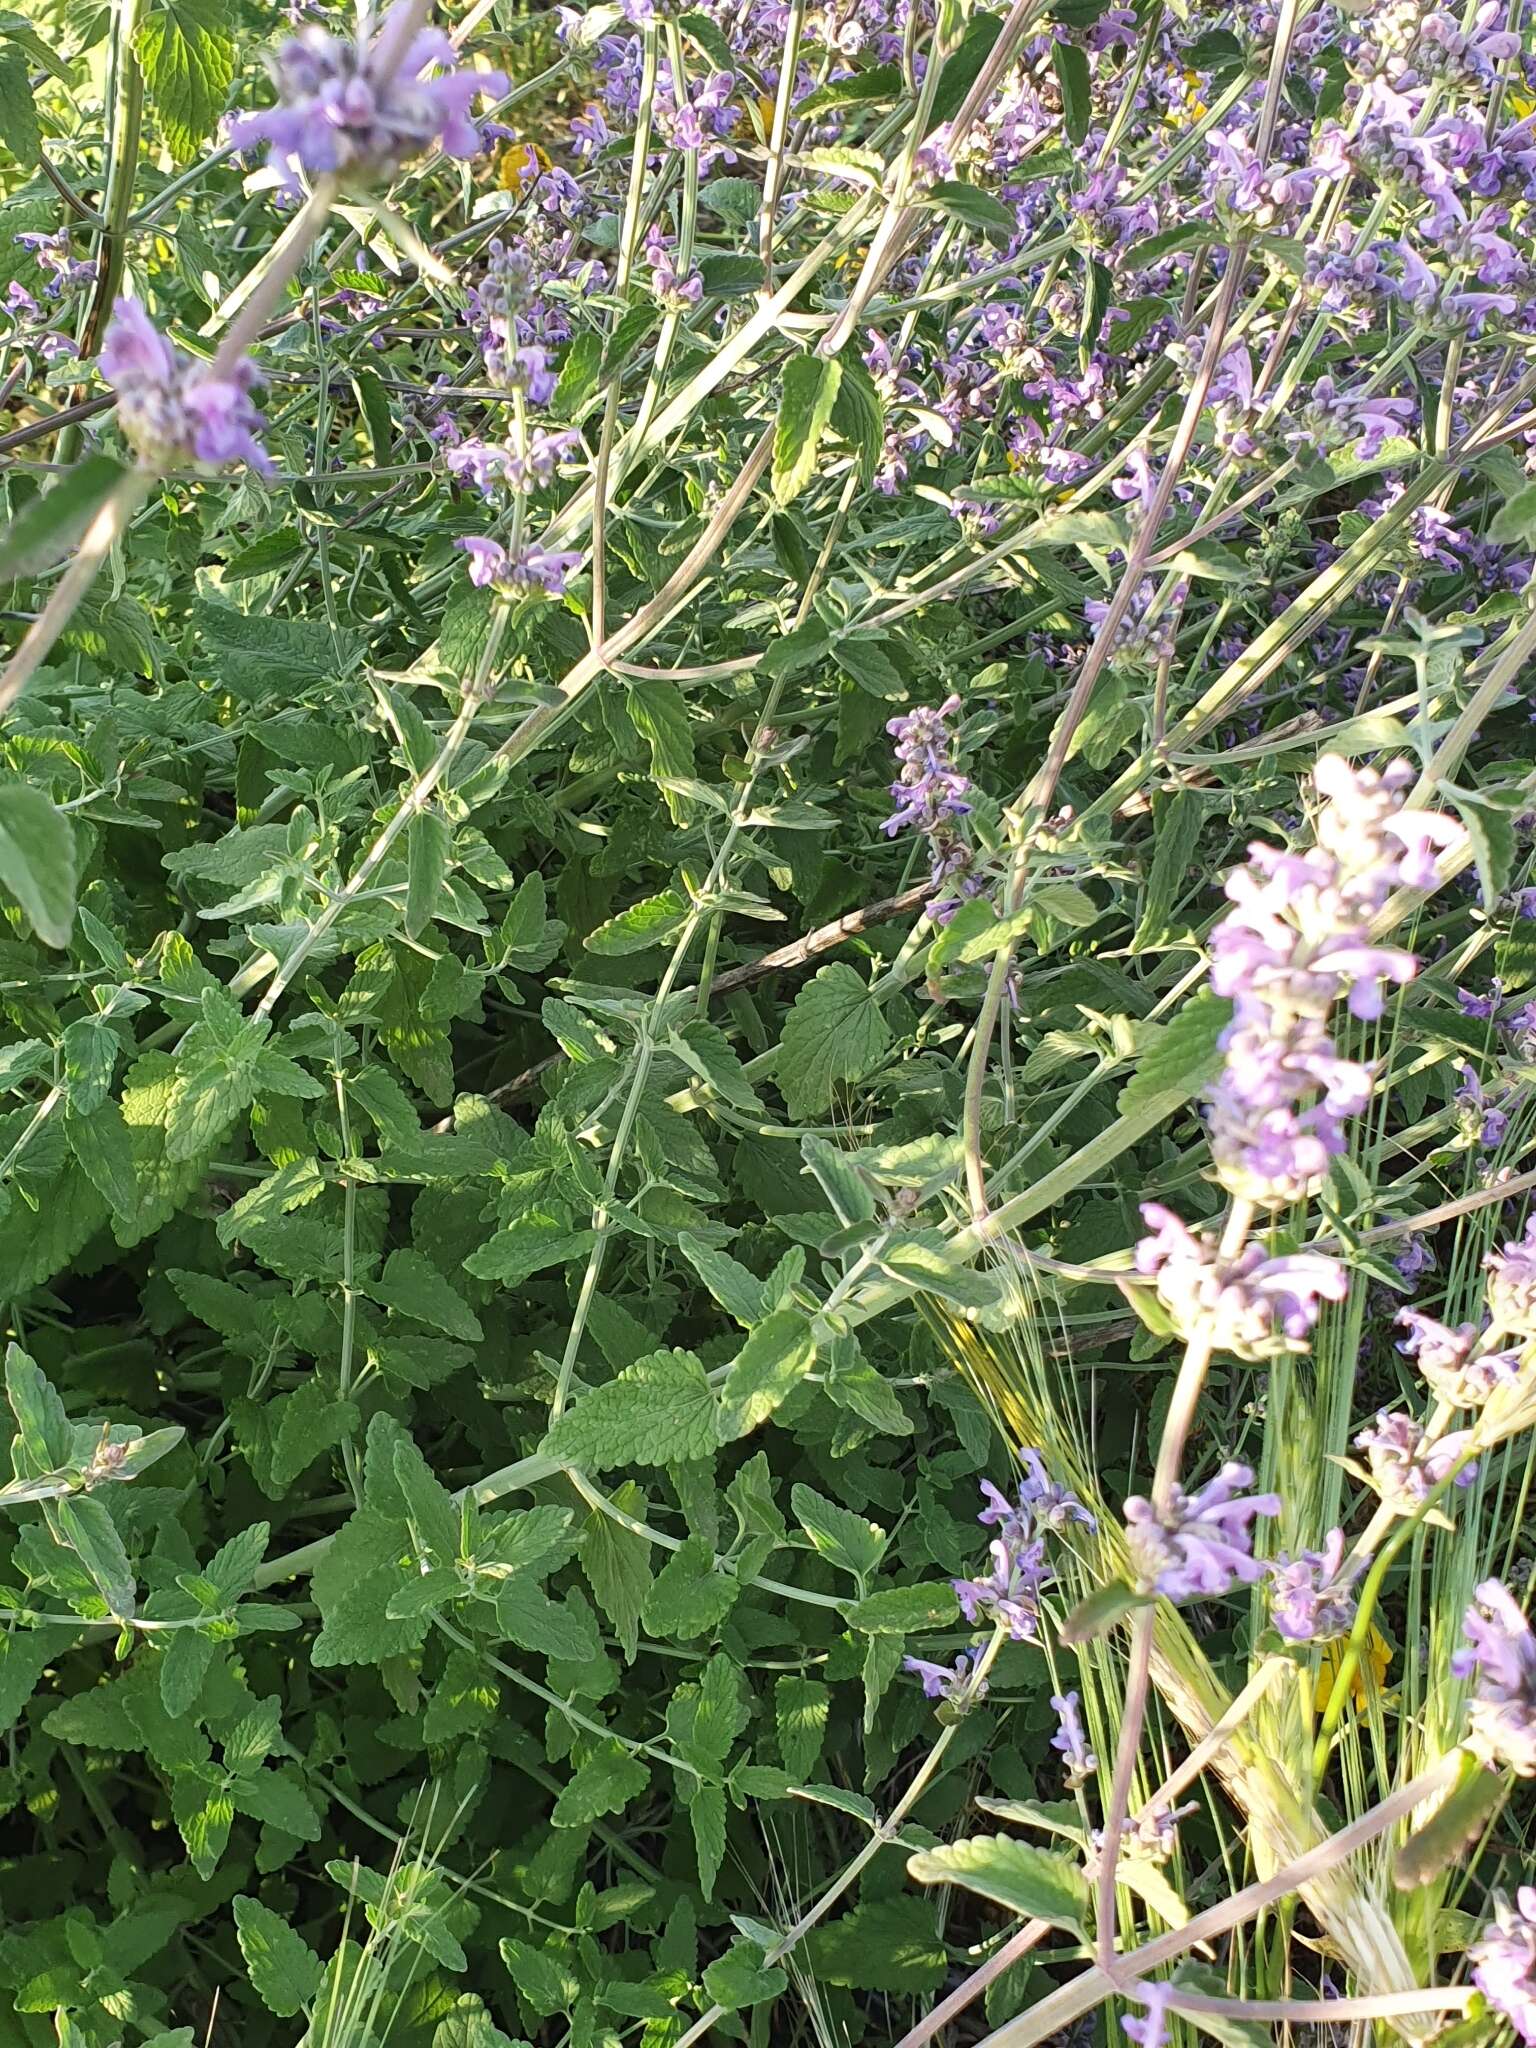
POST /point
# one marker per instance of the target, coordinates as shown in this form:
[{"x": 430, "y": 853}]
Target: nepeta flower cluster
[
  {"x": 1503, "y": 1960},
  {"x": 1009, "y": 1594},
  {"x": 1070, "y": 1741},
  {"x": 1512, "y": 1285},
  {"x": 361, "y": 106},
  {"x": 1201, "y": 1545},
  {"x": 1407, "y": 1463},
  {"x": 516, "y": 574},
  {"x": 1311, "y": 1597},
  {"x": 1255, "y": 1306},
  {"x": 1459, "y": 1364},
  {"x": 1501, "y": 1661},
  {"x": 930, "y": 795},
  {"x": 171, "y": 409},
  {"x": 1297, "y": 941}
]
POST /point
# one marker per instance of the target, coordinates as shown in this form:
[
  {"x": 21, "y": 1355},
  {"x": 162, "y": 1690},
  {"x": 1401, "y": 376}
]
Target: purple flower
[
  {"x": 361, "y": 107},
  {"x": 1406, "y": 1463},
  {"x": 1042, "y": 1503},
  {"x": 1201, "y": 1544},
  {"x": 1010, "y": 1594},
  {"x": 1151, "y": 2030},
  {"x": 1295, "y": 941},
  {"x": 1452, "y": 1362},
  {"x": 1503, "y": 1960},
  {"x": 170, "y": 408},
  {"x": 1255, "y": 1306},
  {"x": 1512, "y": 1284},
  {"x": 532, "y": 568},
  {"x": 1415, "y": 1259},
  {"x": 1070, "y": 1741},
  {"x": 1501, "y": 1660},
  {"x": 946, "y": 1681},
  {"x": 1310, "y": 1598}
]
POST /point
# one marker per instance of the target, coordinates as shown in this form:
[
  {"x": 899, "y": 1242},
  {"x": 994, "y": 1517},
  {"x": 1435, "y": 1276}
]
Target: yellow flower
[
  {"x": 1363, "y": 1684},
  {"x": 1522, "y": 102},
  {"x": 521, "y": 163}
]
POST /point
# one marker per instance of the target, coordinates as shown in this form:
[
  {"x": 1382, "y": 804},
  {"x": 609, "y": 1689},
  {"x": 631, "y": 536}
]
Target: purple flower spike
[
  {"x": 1512, "y": 1285},
  {"x": 362, "y": 107},
  {"x": 1501, "y": 1658},
  {"x": 1407, "y": 1463},
  {"x": 1202, "y": 1545},
  {"x": 1311, "y": 1600},
  {"x": 1070, "y": 1741},
  {"x": 1453, "y": 1362},
  {"x": 170, "y": 409},
  {"x": 1503, "y": 1960},
  {"x": 948, "y": 1681},
  {"x": 532, "y": 568},
  {"x": 1151, "y": 2029},
  {"x": 1257, "y": 1307}
]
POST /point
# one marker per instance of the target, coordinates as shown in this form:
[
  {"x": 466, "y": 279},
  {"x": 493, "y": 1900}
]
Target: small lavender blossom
[
  {"x": 1042, "y": 1502},
  {"x": 1512, "y": 1284},
  {"x": 1152, "y": 1836},
  {"x": 360, "y": 107},
  {"x": 948, "y": 1681},
  {"x": 1503, "y": 1960},
  {"x": 1201, "y": 1544},
  {"x": 1010, "y": 1594},
  {"x": 1255, "y": 1306},
  {"x": 1415, "y": 1259},
  {"x": 1501, "y": 1660},
  {"x": 1310, "y": 1598},
  {"x": 930, "y": 795},
  {"x": 532, "y": 568},
  {"x": 1151, "y": 2029},
  {"x": 172, "y": 409},
  {"x": 1406, "y": 1463},
  {"x": 1070, "y": 1741},
  {"x": 1451, "y": 1360}
]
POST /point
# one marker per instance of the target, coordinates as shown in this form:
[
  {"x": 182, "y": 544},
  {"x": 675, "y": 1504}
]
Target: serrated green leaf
[
  {"x": 806, "y": 397},
  {"x": 774, "y": 1360},
  {"x": 661, "y": 1411},
  {"x": 835, "y": 1032},
  {"x": 187, "y": 51},
  {"x": 284, "y": 1970},
  {"x": 49, "y": 527}
]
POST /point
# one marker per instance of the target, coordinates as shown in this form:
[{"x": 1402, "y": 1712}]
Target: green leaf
[
  {"x": 284, "y": 1970},
  {"x": 1037, "y": 1884},
  {"x": 706, "y": 1051},
  {"x": 1076, "y": 82},
  {"x": 428, "y": 849},
  {"x": 661, "y": 1411},
  {"x": 835, "y": 1032},
  {"x": 605, "y": 1783},
  {"x": 1098, "y": 1611},
  {"x": 974, "y": 208},
  {"x": 648, "y": 923},
  {"x": 1183, "y": 1057},
  {"x": 863, "y": 658},
  {"x": 48, "y": 528},
  {"x": 91, "y": 1533},
  {"x": 904, "y": 1610},
  {"x": 690, "y": 1596},
  {"x": 1514, "y": 524},
  {"x": 806, "y": 398},
  {"x": 659, "y": 713},
  {"x": 858, "y": 411},
  {"x": 872, "y": 87},
  {"x": 888, "y": 1945},
  {"x": 1176, "y": 825},
  {"x": 850, "y": 1541},
  {"x": 37, "y": 860},
  {"x": 19, "y": 129},
  {"x": 617, "y": 1564},
  {"x": 44, "y": 1429},
  {"x": 800, "y": 1709},
  {"x": 1452, "y": 1829},
  {"x": 739, "y": 1978},
  {"x": 412, "y": 1286},
  {"x": 765, "y": 1372},
  {"x": 187, "y": 51},
  {"x": 1492, "y": 832}
]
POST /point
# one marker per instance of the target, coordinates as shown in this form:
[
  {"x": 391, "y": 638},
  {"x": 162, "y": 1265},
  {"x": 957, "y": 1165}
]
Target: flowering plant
[{"x": 767, "y": 1018}]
